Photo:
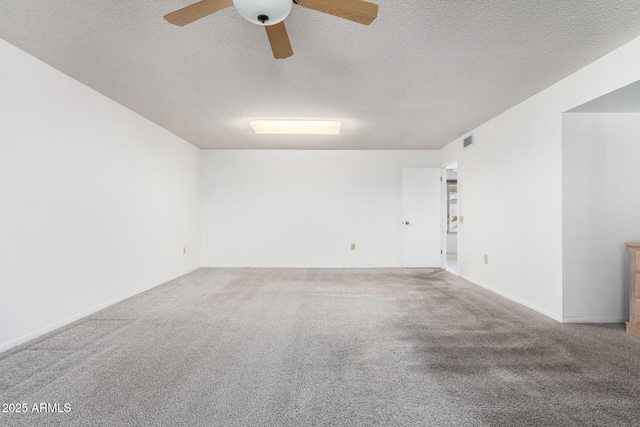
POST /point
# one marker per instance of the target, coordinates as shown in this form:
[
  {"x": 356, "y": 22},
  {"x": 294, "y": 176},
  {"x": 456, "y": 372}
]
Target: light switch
[{"x": 353, "y": 246}]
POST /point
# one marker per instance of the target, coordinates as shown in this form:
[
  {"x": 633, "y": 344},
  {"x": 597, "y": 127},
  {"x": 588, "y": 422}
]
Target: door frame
[
  {"x": 444, "y": 198},
  {"x": 445, "y": 204}
]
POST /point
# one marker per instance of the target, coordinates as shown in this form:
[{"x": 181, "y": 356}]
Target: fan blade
[
  {"x": 353, "y": 10},
  {"x": 279, "y": 40},
  {"x": 192, "y": 13}
]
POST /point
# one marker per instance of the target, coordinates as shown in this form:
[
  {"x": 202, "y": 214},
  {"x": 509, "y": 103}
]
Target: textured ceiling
[{"x": 421, "y": 75}]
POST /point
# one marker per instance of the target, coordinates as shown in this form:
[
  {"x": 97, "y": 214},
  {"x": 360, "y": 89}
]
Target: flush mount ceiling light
[
  {"x": 271, "y": 14},
  {"x": 296, "y": 127}
]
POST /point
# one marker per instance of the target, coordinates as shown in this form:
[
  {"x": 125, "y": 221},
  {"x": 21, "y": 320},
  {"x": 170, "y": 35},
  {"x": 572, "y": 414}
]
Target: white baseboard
[
  {"x": 553, "y": 316},
  {"x": 35, "y": 334},
  {"x": 594, "y": 319},
  {"x": 307, "y": 266}
]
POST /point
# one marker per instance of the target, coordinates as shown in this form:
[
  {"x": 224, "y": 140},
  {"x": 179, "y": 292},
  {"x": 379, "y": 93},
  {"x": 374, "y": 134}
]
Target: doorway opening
[{"x": 453, "y": 217}]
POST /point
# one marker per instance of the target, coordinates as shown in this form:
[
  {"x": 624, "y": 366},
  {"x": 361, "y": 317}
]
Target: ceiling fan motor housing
[{"x": 263, "y": 12}]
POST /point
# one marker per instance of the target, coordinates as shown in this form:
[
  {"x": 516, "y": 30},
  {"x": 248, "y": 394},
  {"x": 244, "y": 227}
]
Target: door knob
[{"x": 406, "y": 222}]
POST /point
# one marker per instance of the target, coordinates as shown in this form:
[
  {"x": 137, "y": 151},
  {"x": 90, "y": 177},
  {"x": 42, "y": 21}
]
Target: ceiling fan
[{"x": 271, "y": 14}]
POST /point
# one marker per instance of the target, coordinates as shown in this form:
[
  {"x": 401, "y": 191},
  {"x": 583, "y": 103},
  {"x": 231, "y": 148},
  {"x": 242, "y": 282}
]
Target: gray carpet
[{"x": 278, "y": 347}]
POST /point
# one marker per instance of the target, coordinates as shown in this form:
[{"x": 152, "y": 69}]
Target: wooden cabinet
[{"x": 633, "y": 325}]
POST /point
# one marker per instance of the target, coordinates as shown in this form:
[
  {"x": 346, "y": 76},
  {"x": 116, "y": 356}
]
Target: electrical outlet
[
  {"x": 184, "y": 251},
  {"x": 486, "y": 258},
  {"x": 353, "y": 246},
  {"x": 461, "y": 219}
]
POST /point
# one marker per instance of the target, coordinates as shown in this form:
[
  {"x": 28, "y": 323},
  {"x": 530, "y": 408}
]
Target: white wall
[
  {"x": 305, "y": 208},
  {"x": 452, "y": 243},
  {"x": 516, "y": 162},
  {"x": 601, "y": 211},
  {"x": 96, "y": 203}
]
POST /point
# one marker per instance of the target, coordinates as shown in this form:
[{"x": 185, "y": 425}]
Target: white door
[{"x": 421, "y": 223}]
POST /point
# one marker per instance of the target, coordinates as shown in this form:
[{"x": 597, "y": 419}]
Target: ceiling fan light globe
[{"x": 256, "y": 10}]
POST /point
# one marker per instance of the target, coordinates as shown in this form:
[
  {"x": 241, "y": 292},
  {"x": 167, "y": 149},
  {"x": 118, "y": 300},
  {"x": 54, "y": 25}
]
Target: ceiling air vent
[{"x": 467, "y": 141}]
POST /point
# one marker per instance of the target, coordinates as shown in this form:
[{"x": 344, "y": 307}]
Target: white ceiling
[{"x": 421, "y": 75}]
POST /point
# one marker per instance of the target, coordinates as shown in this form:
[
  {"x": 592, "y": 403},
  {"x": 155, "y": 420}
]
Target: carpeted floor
[{"x": 278, "y": 347}]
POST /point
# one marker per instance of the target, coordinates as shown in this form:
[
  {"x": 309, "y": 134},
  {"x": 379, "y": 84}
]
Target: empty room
[{"x": 365, "y": 213}]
